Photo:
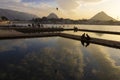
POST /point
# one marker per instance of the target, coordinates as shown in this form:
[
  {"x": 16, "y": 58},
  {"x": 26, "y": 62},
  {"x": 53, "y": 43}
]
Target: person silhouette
[
  {"x": 75, "y": 29},
  {"x": 85, "y": 40},
  {"x": 87, "y": 37},
  {"x": 83, "y": 36}
]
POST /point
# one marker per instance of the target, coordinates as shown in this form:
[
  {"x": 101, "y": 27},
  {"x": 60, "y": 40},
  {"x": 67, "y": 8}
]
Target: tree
[
  {"x": 44, "y": 18},
  {"x": 4, "y": 18}
]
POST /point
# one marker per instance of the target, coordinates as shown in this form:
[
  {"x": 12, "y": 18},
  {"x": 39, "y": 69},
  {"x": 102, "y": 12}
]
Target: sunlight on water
[
  {"x": 93, "y": 27},
  {"x": 96, "y": 35},
  {"x": 57, "y": 58},
  {"x": 90, "y": 27}
]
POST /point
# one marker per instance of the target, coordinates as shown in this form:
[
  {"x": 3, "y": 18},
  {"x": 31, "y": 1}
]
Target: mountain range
[
  {"x": 16, "y": 15},
  {"x": 102, "y": 16}
]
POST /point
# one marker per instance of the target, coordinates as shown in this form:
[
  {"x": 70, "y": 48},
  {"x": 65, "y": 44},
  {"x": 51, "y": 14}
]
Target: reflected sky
[{"x": 57, "y": 58}]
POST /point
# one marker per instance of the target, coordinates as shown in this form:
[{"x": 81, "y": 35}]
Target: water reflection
[
  {"x": 55, "y": 59},
  {"x": 99, "y": 63},
  {"x": 43, "y": 62},
  {"x": 100, "y": 35}
]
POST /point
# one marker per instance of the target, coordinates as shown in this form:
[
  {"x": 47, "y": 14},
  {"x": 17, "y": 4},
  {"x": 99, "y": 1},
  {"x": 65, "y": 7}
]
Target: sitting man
[{"x": 85, "y": 39}]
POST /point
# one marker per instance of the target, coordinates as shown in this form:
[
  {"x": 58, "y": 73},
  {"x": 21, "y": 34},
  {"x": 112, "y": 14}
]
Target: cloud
[
  {"x": 10, "y": 1},
  {"x": 99, "y": 63},
  {"x": 31, "y": 0},
  {"x": 40, "y": 9},
  {"x": 36, "y": 0},
  {"x": 44, "y": 7},
  {"x": 9, "y": 45},
  {"x": 72, "y": 4},
  {"x": 91, "y": 0},
  {"x": 67, "y": 4}
]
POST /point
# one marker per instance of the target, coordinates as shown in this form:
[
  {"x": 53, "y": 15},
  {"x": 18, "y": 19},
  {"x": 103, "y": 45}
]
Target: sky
[{"x": 73, "y": 9}]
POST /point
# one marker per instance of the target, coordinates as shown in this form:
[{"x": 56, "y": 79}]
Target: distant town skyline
[{"x": 73, "y": 9}]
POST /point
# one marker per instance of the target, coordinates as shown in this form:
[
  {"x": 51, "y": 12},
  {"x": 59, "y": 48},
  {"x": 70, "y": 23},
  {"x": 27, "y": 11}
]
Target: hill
[
  {"x": 16, "y": 15},
  {"x": 52, "y": 16},
  {"x": 102, "y": 16}
]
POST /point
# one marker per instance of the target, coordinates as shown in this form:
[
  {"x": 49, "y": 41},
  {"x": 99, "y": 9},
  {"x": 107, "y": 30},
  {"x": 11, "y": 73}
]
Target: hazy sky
[{"x": 74, "y": 9}]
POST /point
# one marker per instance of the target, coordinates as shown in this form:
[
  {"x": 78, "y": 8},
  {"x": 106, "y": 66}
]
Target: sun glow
[{"x": 73, "y": 9}]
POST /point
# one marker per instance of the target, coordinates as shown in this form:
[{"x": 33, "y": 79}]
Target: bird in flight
[{"x": 57, "y": 9}]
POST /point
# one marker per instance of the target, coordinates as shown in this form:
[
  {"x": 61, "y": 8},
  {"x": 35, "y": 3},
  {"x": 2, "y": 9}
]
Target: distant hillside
[
  {"x": 102, "y": 16},
  {"x": 52, "y": 16},
  {"x": 12, "y": 15}
]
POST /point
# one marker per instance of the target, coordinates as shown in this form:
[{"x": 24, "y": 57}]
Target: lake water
[{"x": 57, "y": 58}]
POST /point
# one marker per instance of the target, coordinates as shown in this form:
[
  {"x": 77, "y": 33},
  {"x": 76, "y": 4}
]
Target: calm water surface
[{"x": 57, "y": 58}]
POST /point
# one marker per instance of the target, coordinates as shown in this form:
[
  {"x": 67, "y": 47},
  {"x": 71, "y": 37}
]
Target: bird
[{"x": 57, "y": 9}]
